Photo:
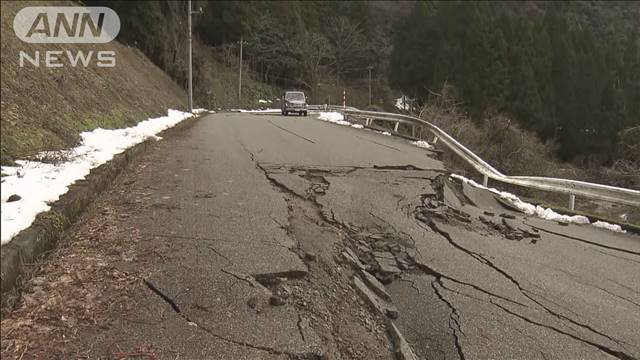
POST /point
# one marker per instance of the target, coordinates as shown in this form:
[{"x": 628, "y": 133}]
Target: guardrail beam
[{"x": 572, "y": 187}]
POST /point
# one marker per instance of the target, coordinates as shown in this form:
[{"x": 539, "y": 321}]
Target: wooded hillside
[{"x": 568, "y": 71}]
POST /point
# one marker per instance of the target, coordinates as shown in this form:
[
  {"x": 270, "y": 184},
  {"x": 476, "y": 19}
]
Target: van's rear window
[{"x": 294, "y": 96}]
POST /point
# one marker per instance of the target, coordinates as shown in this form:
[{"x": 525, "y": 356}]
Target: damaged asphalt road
[{"x": 290, "y": 238}]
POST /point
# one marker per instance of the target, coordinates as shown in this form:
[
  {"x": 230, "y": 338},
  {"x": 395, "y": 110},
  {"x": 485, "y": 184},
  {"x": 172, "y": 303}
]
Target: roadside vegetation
[
  {"x": 47, "y": 108},
  {"x": 566, "y": 75},
  {"x": 322, "y": 48},
  {"x": 566, "y": 72},
  {"x": 514, "y": 150},
  {"x": 536, "y": 88}
]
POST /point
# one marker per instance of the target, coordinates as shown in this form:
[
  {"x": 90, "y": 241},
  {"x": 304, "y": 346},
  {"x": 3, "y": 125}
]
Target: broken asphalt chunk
[
  {"x": 375, "y": 285},
  {"x": 268, "y": 278},
  {"x": 276, "y": 300},
  {"x": 509, "y": 225},
  {"x": 378, "y": 304},
  {"x": 403, "y": 350},
  {"x": 310, "y": 256},
  {"x": 392, "y": 313},
  {"x": 387, "y": 263},
  {"x": 394, "y": 248},
  {"x": 352, "y": 259}
]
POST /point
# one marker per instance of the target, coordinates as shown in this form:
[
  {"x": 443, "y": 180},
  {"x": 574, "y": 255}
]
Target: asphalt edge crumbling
[{"x": 34, "y": 242}]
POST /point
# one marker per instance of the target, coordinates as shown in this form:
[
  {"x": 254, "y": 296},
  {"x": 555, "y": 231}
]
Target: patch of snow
[
  {"x": 338, "y": 118},
  {"x": 539, "y": 211},
  {"x": 257, "y": 111},
  {"x": 39, "y": 184},
  {"x": 422, "y": 144},
  {"x": 403, "y": 103},
  {"x": 200, "y": 110},
  {"x": 609, "y": 226},
  {"x": 263, "y": 101},
  {"x": 334, "y": 117}
]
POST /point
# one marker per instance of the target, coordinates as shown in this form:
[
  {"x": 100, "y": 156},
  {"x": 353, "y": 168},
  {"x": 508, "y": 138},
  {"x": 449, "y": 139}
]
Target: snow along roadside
[
  {"x": 539, "y": 211},
  {"x": 338, "y": 118},
  {"x": 39, "y": 184},
  {"x": 266, "y": 111}
]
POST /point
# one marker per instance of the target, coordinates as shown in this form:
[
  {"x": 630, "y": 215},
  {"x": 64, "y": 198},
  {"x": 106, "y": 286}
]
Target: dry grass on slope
[{"x": 46, "y": 108}]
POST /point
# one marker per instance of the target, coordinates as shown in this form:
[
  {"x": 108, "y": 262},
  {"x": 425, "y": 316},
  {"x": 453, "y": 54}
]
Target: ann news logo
[{"x": 66, "y": 25}]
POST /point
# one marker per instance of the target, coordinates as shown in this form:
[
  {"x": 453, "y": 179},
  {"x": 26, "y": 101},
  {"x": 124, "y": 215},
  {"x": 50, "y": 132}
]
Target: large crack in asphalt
[
  {"x": 576, "y": 278},
  {"x": 605, "y": 349},
  {"x": 454, "y": 316},
  {"x": 441, "y": 284},
  {"x": 608, "y": 350},
  {"x": 585, "y": 241},
  {"x": 210, "y": 332},
  {"x": 438, "y": 285},
  {"x": 526, "y": 293},
  {"x": 318, "y": 186},
  {"x": 613, "y": 255},
  {"x": 431, "y": 271}
]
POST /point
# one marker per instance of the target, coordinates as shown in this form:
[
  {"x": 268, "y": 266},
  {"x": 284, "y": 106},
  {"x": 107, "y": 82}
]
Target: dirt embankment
[{"x": 46, "y": 108}]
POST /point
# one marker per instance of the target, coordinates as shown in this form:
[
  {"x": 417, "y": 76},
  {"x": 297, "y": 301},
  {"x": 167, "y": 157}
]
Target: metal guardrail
[
  {"x": 326, "y": 107},
  {"x": 572, "y": 187}
]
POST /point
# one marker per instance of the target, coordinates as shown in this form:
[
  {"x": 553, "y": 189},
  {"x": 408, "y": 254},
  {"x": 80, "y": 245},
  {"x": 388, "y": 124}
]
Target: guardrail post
[
  {"x": 572, "y": 202},
  {"x": 413, "y": 131},
  {"x": 395, "y": 128},
  {"x": 435, "y": 140},
  {"x": 485, "y": 180}
]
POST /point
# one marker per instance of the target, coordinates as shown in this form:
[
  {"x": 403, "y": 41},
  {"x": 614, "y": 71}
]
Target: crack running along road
[{"x": 208, "y": 243}]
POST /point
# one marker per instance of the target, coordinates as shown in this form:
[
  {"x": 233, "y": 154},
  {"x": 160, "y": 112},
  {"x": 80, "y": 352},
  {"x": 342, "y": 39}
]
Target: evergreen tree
[{"x": 631, "y": 78}]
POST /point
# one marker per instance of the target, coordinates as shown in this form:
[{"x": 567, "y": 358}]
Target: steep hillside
[
  {"x": 46, "y": 108},
  {"x": 215, "y": 84}
]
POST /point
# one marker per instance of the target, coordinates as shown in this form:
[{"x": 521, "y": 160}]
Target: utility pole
[
  {"x": 190, "y": 63},
  {"x": 190, "y": 76},
  {"x": 370, "y": 68},
  {"x": 240, "y": 77}
]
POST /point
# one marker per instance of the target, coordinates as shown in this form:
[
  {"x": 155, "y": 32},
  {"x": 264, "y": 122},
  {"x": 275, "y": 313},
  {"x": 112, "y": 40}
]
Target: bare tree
[
  {"x": 313, "y": 54},
  {"x": 266, "y": 45},
  {"x": 348, "y": 46}
]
